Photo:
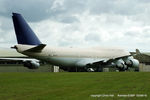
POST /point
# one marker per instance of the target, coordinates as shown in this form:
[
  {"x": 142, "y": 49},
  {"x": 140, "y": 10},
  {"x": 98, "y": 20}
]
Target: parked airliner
[{"x": 67, "y": 58}]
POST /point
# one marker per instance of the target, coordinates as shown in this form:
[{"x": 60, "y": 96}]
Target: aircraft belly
[{"x": 63, "y": 61}]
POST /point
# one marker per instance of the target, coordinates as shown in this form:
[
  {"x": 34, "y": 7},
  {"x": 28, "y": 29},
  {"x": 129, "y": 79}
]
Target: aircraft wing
[
  {"x": 117, "y": 58},
  {"x": 19, "y": 59},
  {"x": 27, "y": 62},
  {"x": 91, "y": 61}
]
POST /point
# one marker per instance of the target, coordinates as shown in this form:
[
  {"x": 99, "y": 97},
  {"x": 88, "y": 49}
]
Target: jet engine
[
  {"x": 124, "y": 64},
  {"x": 120, "y": 64},
  {"x": 131, "y": 62},
  {"x": 31, "y": 64}
]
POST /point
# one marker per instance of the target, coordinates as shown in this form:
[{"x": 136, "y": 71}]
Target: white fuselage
[{"x": 72, "y": 56}]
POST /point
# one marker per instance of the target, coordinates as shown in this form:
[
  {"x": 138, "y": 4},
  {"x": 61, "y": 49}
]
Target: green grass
[{"x": 73, "y": 86}]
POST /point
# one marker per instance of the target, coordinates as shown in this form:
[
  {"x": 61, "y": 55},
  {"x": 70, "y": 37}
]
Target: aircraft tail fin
[{"x": 24, "y": 33}]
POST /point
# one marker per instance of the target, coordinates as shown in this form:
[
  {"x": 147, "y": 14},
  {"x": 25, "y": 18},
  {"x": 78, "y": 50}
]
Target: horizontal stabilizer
[{"x": 38, "y": 48}]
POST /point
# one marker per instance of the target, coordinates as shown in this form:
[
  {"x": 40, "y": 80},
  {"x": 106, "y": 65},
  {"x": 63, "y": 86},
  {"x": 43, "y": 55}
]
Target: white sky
[{"x": 81, "y": 23}]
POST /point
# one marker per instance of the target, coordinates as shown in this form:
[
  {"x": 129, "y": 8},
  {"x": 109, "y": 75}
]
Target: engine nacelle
[
  {"x": 131, "y": 62},
  {"x": 31, "y": 64},
  {"x": 135, "y": 63},
  {"x": 120, "y": 64}
]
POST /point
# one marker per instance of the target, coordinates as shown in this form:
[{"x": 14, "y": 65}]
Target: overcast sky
[{"x": 81, "y": 23}]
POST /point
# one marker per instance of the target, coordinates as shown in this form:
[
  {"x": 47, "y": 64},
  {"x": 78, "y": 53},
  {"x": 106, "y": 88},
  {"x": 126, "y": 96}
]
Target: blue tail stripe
[{"x": 24, "y": 33}]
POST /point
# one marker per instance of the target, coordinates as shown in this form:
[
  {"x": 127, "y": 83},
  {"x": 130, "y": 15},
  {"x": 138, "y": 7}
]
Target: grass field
[{"x": 74, "y": 86}]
